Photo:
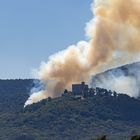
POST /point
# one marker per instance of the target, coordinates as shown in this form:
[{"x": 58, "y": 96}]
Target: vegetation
[{"x": 66, "y": 117}]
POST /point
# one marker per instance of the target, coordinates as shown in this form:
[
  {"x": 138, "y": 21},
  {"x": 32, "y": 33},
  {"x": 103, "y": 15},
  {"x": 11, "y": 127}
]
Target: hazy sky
[{"x": 31, "y": 30}]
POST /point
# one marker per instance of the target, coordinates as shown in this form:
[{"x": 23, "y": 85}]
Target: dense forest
[{"x": 66, "y": 117}]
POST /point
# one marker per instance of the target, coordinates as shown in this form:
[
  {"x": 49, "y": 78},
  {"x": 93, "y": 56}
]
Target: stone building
[{"x": 79, "y": 89}]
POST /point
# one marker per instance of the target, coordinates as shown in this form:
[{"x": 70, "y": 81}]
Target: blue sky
[{"x": 32, "y": 30}]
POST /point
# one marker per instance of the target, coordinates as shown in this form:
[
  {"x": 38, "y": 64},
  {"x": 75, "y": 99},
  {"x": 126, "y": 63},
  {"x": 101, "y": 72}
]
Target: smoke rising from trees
[{"x": 114, "y": 39}]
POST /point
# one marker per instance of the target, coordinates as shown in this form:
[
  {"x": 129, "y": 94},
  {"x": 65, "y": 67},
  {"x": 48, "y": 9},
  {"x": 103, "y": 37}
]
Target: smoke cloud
[
  {"x": 114, "y": 38},
  {"x": 125, "y": 79}
]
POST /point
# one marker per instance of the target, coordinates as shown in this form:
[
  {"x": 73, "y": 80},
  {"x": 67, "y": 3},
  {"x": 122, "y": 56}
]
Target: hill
[
  {"x": 71, "y": 118},
  {"x": 81, "y": 119},
  {"x": 66, "y": 117},
  {"x": 125, "y": 79},
  {"x": 14, "y": 93}
]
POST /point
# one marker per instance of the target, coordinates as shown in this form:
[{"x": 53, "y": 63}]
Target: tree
[{"x": 137, "y": 137}]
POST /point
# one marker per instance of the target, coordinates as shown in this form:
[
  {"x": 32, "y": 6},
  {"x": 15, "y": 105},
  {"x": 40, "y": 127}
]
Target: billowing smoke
[
  {"x": 124, "y": 79},
  {"x": 114, "y": 39}
]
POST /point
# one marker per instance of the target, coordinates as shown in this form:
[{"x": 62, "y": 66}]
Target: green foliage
[
  {"x": 102, "y": 138},
  {"x": 67, "y": 118},
  {"x": 137, "y": 137}
]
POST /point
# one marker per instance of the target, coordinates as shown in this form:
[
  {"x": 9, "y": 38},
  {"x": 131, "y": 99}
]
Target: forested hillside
[
  {"x": 13, "y": 94},
  {"x": 67, "y": 117}
]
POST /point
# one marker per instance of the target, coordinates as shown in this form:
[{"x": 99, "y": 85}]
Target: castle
[
  {"x": 78, "y": 89},
  {"x": 83, "y": 90}
]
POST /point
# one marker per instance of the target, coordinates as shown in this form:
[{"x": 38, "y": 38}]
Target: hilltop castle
[
  {"x": 83, "y": 90},
  {"x": 78, "y": 89}
]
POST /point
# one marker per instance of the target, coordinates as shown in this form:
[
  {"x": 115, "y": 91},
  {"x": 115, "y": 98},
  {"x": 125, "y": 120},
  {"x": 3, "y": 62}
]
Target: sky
[{"x": 32, "y": 30}]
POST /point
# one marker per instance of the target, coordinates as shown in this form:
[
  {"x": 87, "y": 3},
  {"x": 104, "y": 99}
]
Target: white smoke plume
[
  {"x": 114, "y": 39},
  {"x": 125, "y": 79}
]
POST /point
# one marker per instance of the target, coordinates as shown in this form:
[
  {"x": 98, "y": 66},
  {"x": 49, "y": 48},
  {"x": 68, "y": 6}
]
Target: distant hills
[
  {"x": 66, "y": 117},
  {"x": 129, "y": 74},
  {"x": 132, "y": 70},
  {"x": 13, "y": 94}
]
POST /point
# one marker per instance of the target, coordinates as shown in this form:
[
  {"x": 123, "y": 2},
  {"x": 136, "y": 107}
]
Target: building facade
[{"x": 79, "y": 89}]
